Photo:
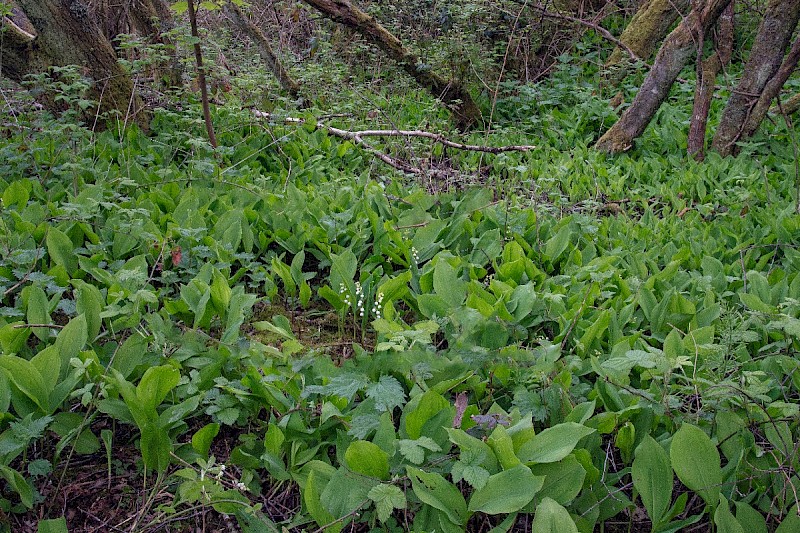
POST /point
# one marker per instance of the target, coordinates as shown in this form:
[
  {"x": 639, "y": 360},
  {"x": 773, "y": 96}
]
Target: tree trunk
[
  {"x": 67, "y": 35},
  {"x": 243, "y": 25},
  {"x": 762, "y": 78},
  {"x": 148, "y": 18},
  {"x": 707, "y": 72},
  {"x": 648, "y": 27},
  {"x": 451, "y": 92},
  {"x": 670, "y": 60}
]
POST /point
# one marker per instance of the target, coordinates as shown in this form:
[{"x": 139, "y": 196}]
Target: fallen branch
[{"x": 358, "y": 138}]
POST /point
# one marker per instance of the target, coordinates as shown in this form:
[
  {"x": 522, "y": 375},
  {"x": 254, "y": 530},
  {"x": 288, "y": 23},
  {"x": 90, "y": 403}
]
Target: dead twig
[{"x": 358, "y": 138}]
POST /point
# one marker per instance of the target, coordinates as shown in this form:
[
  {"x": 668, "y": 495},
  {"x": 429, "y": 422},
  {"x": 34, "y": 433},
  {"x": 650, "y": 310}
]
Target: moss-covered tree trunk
[
  {"x": 648, "y": 27},
  {"x": 762, "y": 77},
  {"x": 66, "y": 34},
  {"x": 451, "y": 92},
  {"x": 707, "y": 71},
  {"x": 670, "y": 60},
  {"x": 243, "y": 25}
]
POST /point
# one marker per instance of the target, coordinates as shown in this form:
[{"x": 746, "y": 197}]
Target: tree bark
[
  {"x": 670, "y": 60},
  {"x": 790, "y": 106},
  {"x": 243, "y": 25},
  {"x": 67, "y": 35},
  {"x": 648, "y": 27},
  {"x": 762, "y": 78},
  {"x": 707, "y": 72},
  {"x": 451, "y": 92}
]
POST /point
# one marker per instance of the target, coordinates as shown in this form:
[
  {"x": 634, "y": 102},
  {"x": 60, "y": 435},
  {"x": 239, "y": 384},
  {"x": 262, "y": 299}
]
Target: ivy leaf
[
  {"x": 387, "y": 498},
  {"x": 387, "y": 393},
  {"x": 414, "y": 450}
]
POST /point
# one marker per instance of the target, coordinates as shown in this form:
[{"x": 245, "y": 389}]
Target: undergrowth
[{"x": 286, "y": 332}]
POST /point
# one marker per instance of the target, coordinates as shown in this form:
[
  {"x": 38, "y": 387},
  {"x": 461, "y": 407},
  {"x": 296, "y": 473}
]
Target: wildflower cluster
[
  {"x": 359, "y": 299},
  {"x": 415, "y": 255},
  {"x": 377, "y": 308}
]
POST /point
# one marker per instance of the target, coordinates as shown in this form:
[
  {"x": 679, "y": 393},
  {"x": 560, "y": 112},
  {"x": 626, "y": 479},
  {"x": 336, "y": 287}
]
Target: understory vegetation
[{"x": 287, "y": 334}]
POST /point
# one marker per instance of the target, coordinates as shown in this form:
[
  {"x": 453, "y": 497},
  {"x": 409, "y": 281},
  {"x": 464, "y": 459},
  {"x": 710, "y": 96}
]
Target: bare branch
[{"x": 358, "y": 138}]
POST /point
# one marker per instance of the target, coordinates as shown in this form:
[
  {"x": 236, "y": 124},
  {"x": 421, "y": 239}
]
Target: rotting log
[
  {"x": 762, "y": 77},
  {"x": 465, "y": 111},
  {"x": 670, "y": 60}
]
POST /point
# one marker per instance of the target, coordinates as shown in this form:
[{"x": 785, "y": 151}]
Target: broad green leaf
[
  {"x": 130, "y": 354},
  {"x": 556, "y": 245},
  {"x": 346, "y": 492},
  {"x": 48, "y": 363},
  {"x": 550, "y": 517},
  {"x": 343, "y": 269},
  {"x": 16, "y": 195},
  {"x": 652, "y": 478},
  {"x": 89, "y": 302},
  {"x": 553, "y": 444},
  {"x": 27, "y": 379},
  {"x": 71, "y": 340},
  {"x": 387, "y": 498},
  {"x": 53, "y": 525},
  {"x": 447, "y": 284},
  {"x": 696, "y": 461},
  {"x": 156, "y": 447},
  {"x": 724, "y": 519},
  {"x": 790, "y": 522},
  {"x": 507, "y": 491},
  {"x": 156, "y": 383},
  {"x": 436, "y": 491},
  {"x": 18, "y": 484},
  {"x": 429, "y": 404},
  {"x": 318, "y": 477},
  {"x": 751, "y": 520},
  {"x": 220, "y": 292},
  {"x": 563, "y": 480},
  {"x": 37, "y": 310},
  {"x": 367, "y": 459},
  {"x": 755, "y": 303},
  {"x": 61, "y": 249}
]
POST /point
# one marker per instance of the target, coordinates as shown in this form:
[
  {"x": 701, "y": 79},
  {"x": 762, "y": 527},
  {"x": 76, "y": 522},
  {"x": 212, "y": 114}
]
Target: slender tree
[
  {"x": 672, "y": 57},
  {"x": 762, "y": 78}
]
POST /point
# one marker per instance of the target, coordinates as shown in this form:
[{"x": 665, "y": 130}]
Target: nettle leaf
[
  {"x": 414, "y": 450},
  {"x": 554, "y": 443},
  {"x": 507, "y": 491},
  {"x": 387, "y": 498},
  {"x": 344, "y": 385},
  {"x": 696, "y": 461},
  {"x": 469, "y": 468},
  {"x": 387, "y": 393}
]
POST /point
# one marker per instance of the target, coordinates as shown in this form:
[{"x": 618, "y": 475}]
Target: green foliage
[{"x": 404, "y": 359}]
